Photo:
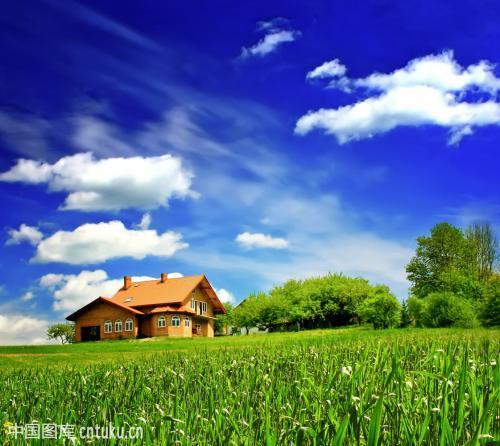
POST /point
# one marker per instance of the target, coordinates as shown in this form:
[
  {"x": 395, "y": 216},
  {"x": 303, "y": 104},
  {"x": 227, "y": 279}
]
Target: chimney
[
  {"x": 163, "y": 277},
  {"x": 127, "y": 282}
]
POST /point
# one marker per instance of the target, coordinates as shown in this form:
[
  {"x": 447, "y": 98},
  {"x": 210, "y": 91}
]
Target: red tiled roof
[{"x": 74, "y": 316}]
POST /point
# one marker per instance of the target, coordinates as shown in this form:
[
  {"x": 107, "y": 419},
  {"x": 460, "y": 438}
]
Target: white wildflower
[
  {"x": 347, "y": 370},
  {"x": 435, "y": 409}
]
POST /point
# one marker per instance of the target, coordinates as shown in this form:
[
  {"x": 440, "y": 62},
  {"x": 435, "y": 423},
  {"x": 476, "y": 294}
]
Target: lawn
[{"x": 323, "y": 387}]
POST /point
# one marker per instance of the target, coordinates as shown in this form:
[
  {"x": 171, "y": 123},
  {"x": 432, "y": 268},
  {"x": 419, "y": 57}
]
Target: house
[{"x": 171, "y": 306}]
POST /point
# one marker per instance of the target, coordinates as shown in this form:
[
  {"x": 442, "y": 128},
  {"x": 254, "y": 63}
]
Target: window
[
  {"x": 129, "y": 325},
  {"x": 203, "y": 307},
  {"x": 108, "y": 327},
  {"x": 118, "y": 325},
  {"x": 187, "y": 322},
  {"x": 176, "y": 321},
  {"x": 162, "y": 323},
  {"x": 193, "y": 293},
  {"x": 193, "y": 304}
]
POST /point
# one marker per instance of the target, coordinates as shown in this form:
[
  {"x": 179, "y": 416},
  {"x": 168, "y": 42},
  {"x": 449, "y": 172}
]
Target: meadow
[{"x": 321, "y": 387}]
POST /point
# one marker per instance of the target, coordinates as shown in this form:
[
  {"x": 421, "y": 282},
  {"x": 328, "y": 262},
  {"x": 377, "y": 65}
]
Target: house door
[{"x": 91, "y": 333}]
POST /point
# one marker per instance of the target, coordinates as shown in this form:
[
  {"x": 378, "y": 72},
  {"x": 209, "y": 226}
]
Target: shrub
[
  {"x": 448, "y": 310},
  {"x": 490, "y": 311},
  {"x": 415, "y": 310},
  {"x": 382, "y": 309}
]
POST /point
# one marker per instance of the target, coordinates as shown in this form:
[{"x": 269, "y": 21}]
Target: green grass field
[{"x": 322, "y": 387}]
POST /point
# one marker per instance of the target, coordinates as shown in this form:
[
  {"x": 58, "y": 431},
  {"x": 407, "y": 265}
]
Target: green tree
[
  {"x": 490, "y": 311},
  {"x": 223, "y": 321},
  {"x": 415, "y": 310},
  {"x": 445, "y": 309},
  {"x": 443, "y": 252},
  {"x": 405, "y": 315},
  {"x": 64, "y": 332},
  {"x": 382, "y": 309}
]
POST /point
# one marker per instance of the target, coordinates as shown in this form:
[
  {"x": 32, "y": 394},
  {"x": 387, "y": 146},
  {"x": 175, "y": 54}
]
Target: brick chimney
[
  {"x": 163, "y": 277},
  {"x": 127, "y": 282}
]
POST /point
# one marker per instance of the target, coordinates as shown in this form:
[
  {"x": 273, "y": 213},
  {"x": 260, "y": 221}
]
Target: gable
[{"x": 99, "y": 302}]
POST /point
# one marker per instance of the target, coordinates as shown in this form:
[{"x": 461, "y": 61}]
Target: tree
[
  {"x": 64, "y": 332},
  {"x": 222, "y": 321},
  {"x": 415, "y": 310},
  {"x": 445, "y": 309},
  {"x": 382, "y": 309},
  {"x": 483, "y": 247},
  {"x": 444, "y": 252},
  {"x": 490, "y": 311},
  {"x": 405, "y": 315}
]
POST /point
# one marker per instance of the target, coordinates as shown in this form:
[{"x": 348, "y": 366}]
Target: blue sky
[{"x": 253, "y": 143}]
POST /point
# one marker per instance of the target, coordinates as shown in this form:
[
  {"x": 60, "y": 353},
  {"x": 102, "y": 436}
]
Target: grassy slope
[{"x": 130, "y": 350}]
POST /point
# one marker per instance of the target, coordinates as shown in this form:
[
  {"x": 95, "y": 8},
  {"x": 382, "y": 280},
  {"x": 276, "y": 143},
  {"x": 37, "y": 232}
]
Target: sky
[{"x": 252, "y": 142}]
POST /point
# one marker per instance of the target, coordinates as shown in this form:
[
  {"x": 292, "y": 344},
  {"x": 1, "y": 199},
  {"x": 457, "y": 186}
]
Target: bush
[
  {"x": 448, "y": 310},
  {"x": 415, "y": 310},
  {"x": 382, "y": 309},
  {"x": 490, "y": 311}
]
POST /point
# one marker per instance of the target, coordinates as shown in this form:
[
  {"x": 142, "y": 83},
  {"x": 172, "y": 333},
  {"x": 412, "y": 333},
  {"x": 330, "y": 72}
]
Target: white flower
[
  {"x": 493, "y": 363},
  {"x": 355, "y": 398},
  {"x": 409, "y": 384},
  {"x": 435, "y": 409},
  {"x": 347, "y": 370}
]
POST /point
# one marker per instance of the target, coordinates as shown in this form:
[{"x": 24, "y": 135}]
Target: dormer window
[
  {"x": 193, "y": 293},
  {"x": 193, "y": 304}
]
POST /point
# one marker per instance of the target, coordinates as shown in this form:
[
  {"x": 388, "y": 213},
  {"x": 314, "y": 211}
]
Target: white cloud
[
  {"x": 175, "y": 275},
  {"x": 259, "y": 240},
  {"x": 110, "y": 183},
  {"x": 98, "y": 242},
  {"x": 26, "y": 297},
  {"x": 225, "y": 296},
  {"x": 431, "y": 90},
  {"x": 402, "y": 106},
  {"x": 21, "y": 329},
  {"x": 145, "y": 221},
  {"x": 72, "y": 291},
  {"x": 270, "y": 43},
  {"x": 25, "y": 233},
  {"x": 329, "y": 69}
]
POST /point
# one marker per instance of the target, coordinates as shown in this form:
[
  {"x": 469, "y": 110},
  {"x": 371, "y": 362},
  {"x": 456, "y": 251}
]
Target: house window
[
  {"x": 108, "y": 327},
  {"x": 193, "y": 304},
  {"x": 162, "y": 323},
  {"x": 176, "y": 321},
  {"x": 197, "y": 329},
  {"x": 118, "y": 325},
  {"x": 193, "y": 293},
  {"x": 129, "y": 325},
  {"x": 203, "y": 307},
  {"x": 187, "y": 322}
]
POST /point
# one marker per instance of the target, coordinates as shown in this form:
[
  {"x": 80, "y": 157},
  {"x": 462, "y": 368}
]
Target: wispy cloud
[{"x": 277, "y": 32}]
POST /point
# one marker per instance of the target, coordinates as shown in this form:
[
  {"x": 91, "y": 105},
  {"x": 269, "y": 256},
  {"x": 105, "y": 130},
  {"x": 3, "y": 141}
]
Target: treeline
[
  {"x": 318, "y": 302},
  {"x": 454, "y": 282},
  {"x": 455, "y": 279}
]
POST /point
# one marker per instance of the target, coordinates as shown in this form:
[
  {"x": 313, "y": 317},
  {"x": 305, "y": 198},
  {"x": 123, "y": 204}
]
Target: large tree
[
  {"x": 443, "y": 252},
  {"x": 483, "y": 246},
  {"x": 62, "y": 332}
]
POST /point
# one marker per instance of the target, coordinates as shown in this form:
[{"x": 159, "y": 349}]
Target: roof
[
  {"x": 171, "y": 309},
  {"x": 74, "y": 316},
  {"x": 172, "y": 291}
]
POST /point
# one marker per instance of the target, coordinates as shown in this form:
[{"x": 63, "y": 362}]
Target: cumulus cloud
[
  {"x": 21, "y": 329},
  {"x": 259, "y": 240},
  {"x": 275, "y": 36},
  {"x": 225, "y": 296},
  {"x": 72, "y": 291},
  {"x": 98, "y": 242},
  {"x": 25, "y": 233},
  {"x": 433, "y": 90},
  {"x": 109, "y": 183}
]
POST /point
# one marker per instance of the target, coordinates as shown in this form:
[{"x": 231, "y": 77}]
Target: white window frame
[
  {"x": 118, "y": 323},
  {"x": 203, "y": 307},
  {"x": 177, "y": 322},
  {"x": 193, "y": 304},
  {"x": 129, "y": 324},
  {"x": 162, "y": 322},
  {"x": 108, "y": 326},
  {"x": 187, "y": 321}
]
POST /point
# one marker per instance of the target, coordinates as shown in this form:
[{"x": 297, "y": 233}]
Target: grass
[{"x": 322, "y": 387}]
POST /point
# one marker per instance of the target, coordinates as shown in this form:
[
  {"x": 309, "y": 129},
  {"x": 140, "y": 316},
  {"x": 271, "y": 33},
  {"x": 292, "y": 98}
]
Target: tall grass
[{"x": 408, "y": 391}]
